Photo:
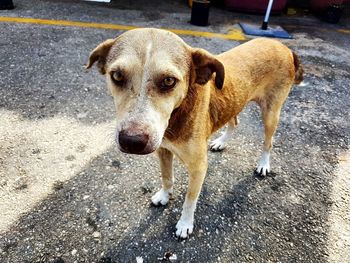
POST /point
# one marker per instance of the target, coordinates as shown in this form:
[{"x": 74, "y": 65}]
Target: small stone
[
  {"x": 81, "y": 148},
  {"x": 96, "y": 234},
  {"x": 58, "y": 185},
  {"x": 70, "y": 157},
  {"x": 20, "y": 183},
  {"x": 74, "y": 252},
  {"x": 3, "y": 182},
  {"x": 115, "y": 164},
  {"x": 146, "y": 189},
  {"x": 35, "y": 151}
]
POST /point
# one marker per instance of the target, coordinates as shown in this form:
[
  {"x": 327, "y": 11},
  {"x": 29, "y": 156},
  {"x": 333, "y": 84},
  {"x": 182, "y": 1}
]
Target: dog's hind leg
[
  {"x": 220, "y": 143},
  {"x": 166, "y": 167},
  {"x": 270, "y": 115}
]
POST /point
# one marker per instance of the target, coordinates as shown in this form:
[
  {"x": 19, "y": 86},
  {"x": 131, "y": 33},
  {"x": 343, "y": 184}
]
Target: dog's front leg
[
  {"x": 197, "y": 168},
  {"x": 166, "y": 167}
]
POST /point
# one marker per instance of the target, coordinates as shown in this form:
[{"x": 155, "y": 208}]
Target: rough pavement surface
[{"x": 67, "y": 194}]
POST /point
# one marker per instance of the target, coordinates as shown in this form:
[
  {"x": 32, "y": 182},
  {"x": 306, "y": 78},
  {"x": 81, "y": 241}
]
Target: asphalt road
[{"x": 68, "y": 195}]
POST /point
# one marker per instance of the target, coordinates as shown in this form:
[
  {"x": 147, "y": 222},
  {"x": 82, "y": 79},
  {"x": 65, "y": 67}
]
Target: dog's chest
[{"x": 168, "y": 145}]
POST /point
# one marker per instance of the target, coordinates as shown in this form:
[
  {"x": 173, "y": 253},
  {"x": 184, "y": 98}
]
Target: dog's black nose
[{"x": 133, "y": 143}]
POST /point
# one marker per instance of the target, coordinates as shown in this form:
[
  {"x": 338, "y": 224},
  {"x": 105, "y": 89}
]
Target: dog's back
[{"x": 260, "y": 70}]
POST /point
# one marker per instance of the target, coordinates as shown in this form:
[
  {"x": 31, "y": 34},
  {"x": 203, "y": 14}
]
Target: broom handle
[{"x": 267, "y": 15}]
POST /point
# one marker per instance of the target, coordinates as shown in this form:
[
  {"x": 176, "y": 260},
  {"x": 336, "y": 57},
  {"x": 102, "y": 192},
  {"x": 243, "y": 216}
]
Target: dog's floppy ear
[
  {"x": 205, "y": 64},
  {"x": 99, "y": 54}
]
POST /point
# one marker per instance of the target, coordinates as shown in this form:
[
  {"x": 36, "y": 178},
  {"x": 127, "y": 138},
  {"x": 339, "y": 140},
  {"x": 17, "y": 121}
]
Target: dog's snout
[{"x": 133, "y": 143}]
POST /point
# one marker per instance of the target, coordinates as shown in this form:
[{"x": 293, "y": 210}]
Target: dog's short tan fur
[{"x": 210, "y": 91}]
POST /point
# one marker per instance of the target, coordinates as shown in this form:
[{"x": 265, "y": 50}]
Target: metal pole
[{"x": 267, "y": 15}]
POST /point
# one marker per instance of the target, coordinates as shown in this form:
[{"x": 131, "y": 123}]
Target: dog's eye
[
  {"x": 167, "y": 83},
  {"x": 118, "y": 77}
]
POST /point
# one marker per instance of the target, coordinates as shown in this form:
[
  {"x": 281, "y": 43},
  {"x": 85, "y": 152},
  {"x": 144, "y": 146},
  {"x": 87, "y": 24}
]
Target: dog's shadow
[
  {"x": 215, "y": 224},
  {"x": 234, "y": 226},
  {"x": 248, "y": 219}
]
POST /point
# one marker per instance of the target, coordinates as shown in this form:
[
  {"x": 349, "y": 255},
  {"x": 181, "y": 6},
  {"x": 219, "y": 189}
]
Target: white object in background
[{"x": 267, "y": 14}]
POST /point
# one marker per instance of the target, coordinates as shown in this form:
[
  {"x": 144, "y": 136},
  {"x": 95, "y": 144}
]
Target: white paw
[
  {"x": 263, "y": 169},
  {"x": 264, "y": 164},
  {"x": 184, "y": 228},
  {"x": 218, "y": 144},
  {"x": 161, "y": 197}
]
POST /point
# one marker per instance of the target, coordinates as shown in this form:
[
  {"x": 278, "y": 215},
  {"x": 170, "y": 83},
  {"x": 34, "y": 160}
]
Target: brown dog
[{"x": 171, "y": 97}]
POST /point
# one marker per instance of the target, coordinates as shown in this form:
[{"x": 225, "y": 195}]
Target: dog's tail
[{"x": 299, "y": 71}]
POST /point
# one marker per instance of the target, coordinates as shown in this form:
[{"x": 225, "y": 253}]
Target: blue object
[
  {"x": 255, "y": 30},
  {"x": 265, "y": 30}
]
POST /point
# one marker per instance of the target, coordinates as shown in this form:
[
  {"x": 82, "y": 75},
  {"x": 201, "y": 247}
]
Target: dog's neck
[{"x": 199, "y": 100}]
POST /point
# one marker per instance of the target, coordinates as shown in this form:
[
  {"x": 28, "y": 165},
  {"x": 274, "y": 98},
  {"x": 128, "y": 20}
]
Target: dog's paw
[
  {"x": 184, "y": 228},
  {"x": 263, "y": 168},
  {"x": 217, "y": 145},
  {"x": 264, "y": 164},
  {"x": 161, "y": 197}
]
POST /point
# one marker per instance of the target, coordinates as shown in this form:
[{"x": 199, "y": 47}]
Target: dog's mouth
[{"x": 141, "y": 143}]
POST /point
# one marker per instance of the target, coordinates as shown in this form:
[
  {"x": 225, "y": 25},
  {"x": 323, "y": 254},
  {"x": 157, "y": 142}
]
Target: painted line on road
[
  {"x": 234, "y": 34},
  {"x": 346, "y": 31}
]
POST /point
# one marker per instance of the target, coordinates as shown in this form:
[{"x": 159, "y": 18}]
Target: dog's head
[{"x": 149, "y": 72}]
